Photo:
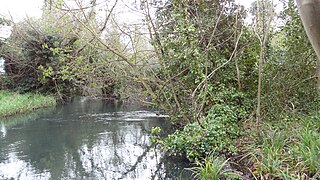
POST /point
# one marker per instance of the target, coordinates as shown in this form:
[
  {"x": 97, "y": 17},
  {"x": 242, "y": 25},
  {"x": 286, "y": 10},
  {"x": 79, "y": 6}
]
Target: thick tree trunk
[{"x": 310, "y": 15}]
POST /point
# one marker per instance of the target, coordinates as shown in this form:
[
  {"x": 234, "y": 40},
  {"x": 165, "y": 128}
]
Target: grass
[
  {"x": 288, "y": 148},
  {"x": 213, "y": 168},
  {"x": 13, "y": 103}
]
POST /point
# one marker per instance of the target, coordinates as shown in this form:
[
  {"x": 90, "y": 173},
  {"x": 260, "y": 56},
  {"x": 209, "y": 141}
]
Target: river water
[{"x": 86, "y": 139}]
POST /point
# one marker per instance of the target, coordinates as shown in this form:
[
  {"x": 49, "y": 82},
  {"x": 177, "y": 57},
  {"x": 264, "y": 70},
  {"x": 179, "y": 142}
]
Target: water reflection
[
  {"x": 3, "y": 130},
  {"x": 85, "y": 140}
]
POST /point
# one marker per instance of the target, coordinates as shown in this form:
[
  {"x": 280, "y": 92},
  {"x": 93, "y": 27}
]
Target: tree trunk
[
  {"x": 310, "y": 15},
  {"x": 264, "y": 17}
]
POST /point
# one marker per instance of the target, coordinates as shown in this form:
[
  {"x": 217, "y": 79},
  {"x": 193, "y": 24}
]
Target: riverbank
[
  {"x": 13, "y": 103},
  {"x": 286, "y": 147}
]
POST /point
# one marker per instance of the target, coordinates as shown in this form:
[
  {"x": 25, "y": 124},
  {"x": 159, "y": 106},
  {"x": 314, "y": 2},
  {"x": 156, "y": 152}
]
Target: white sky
[{"x": 19, "y": 9}]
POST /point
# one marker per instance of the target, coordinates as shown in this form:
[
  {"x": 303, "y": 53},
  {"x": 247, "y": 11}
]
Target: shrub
[
  {"x": 221, "y": 129},
  {"x": 36, "y": 52}
]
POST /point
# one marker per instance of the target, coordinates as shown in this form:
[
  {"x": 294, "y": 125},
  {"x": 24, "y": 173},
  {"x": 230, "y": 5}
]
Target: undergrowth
[
  {"x": 288, "y": 148},
  {"x": 213, "y": 168},
  {"x": 218, "y": 136}
]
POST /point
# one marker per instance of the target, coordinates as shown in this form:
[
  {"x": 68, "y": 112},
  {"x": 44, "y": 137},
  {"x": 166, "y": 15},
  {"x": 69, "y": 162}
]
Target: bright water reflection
[{"x": 85, "y": 140}]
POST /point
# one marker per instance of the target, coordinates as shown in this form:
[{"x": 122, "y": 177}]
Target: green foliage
[
  {"x": 288, "y": 148},
  {"x": 36, "y": 58},
  {"x": 272, "y": 146},
  {"x": 221, "y": 129},
  {"x": 51, "y": 56},
  {"x": 220, "y": 124},
  {"x": 155, "y": 135},
  {"x": 308, "y": 150},
  {"x": 213, "y": 168},
  {"x": 192, "y": 45},
  {"x": 247, "y": 61},
  {"x": 289, "y": 82}
]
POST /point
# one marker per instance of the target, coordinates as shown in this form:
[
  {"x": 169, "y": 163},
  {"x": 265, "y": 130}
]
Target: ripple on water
[{"x": 86, "y": 141}]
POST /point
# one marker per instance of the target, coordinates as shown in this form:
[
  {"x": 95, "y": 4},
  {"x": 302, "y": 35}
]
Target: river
[{"x": 86, "y": 139}]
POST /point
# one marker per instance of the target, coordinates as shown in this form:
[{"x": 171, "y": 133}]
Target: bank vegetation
[{"x": 14, "y": 103}]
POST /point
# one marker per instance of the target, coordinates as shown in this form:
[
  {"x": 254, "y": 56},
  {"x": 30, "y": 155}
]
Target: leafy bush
[
  {"x": 35, "y": 48},
  {"x": 221, "y": 129},
  {"x": 49, "y": 55},
  {"x": 289, "y": 81}
]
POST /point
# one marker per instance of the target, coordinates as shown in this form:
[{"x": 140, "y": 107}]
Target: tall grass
[
  {"x": 213, "y": 168},
  {"x": 12, "y": 103},
  {"x": 288, "y": 149}
]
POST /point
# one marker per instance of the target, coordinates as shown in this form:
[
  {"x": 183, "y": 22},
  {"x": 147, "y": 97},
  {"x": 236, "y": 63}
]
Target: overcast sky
[{"x": 20, "y": 8}]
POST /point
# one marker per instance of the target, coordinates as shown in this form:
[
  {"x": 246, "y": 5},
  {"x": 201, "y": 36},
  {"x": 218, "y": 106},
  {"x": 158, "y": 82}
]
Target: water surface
[{"x": 86, "y": 139}]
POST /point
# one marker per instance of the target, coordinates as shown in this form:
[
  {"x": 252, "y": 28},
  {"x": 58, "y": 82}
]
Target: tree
[
  {"x": 198, "y": 41},
  {"x": 31, "y": 53},
  {"x": 285, "y": 82},
  {"x": 264, "y": 16},
  {"x": 310, "y": 14}
]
